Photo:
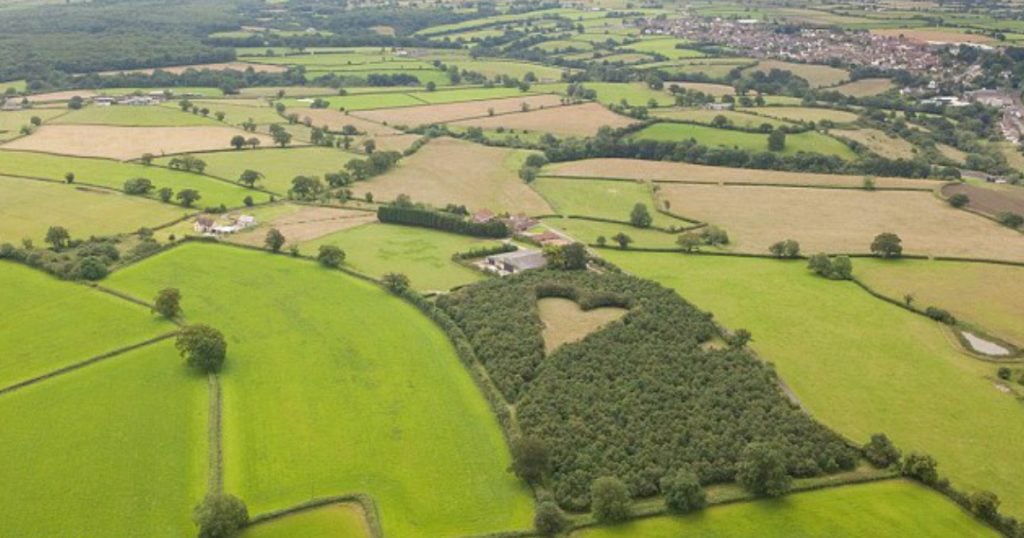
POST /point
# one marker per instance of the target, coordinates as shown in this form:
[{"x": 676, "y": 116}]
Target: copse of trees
[
  {"x": 429, "y": 218},
  {"x": 629, "y": 383},
  {"x": 571, "y": 257}
]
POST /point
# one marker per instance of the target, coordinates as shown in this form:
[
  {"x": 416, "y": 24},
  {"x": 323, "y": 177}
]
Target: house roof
[{"x": 521, "y": 260}]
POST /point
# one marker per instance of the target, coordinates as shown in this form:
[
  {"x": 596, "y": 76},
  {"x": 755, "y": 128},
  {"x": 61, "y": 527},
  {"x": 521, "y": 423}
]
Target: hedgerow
[{"x": 640, "y": 399}]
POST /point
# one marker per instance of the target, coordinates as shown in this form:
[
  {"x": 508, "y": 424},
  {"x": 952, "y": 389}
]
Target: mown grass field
[
  {"x": 113, "y": 174},
  {"x": 665, "y": 47},
  {"x": 829, "y": 220},
  {"x": 331, "y": 521},
  {"x": 29, "y": 207},
  {"x": 12, "y": 122},
  {"x": 817, "y": 75},
  {"x": 587, "y": 231},
  {"x": 809, "y": 141},
  {"x": 600, "y": 198},
  {"x": 865, "y": 87},
  {"x": 334, "y": 386},
  {"x": 492, "y": 68},
  {"x": 115, "y": 449},
  {"x": 612, "y": 93},
  {"x": 986, "y": 295},
  {"x": 564, "y": 321},
  {"x": 237, "y": 111},
  {"x": 805, "y": 114},
  {"x": 448, "y": 170},
  {"x": 860, "y": 365},
  {"x": 890, "y": 147},
  {"x": 134, "y": 116},
  {"x": 278, "y": 165},
  {"x": 425, "y": 256},
  {"x": 891, "y": 508},
  {"x": 706, "y": 116},
  {"x": 53, "y": 323}
]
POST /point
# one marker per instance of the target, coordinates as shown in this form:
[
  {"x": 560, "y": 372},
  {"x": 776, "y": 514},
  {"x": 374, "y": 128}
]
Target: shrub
[
  {"x": 881, "y": 452},
  {"x": 274, "y": 240},
  {"x": 395, "y": 282},
  {"x": 91, "y": 268},
  {"x": 940, "y": 315},
  {"x": 714, "y": 236},
  {"x": 787, "y": 248},
  {"x": 220, "y": 516},
  {"x": 1005, "y": 373},
  {"x": 921, "y": 467},
  {"x": 1010, "y": 220},
  {"x": 609, "y": 499},
  {"x": 640, "y": 217},
  {"x": 683, "y": 492},
  {"x": 959, "y": 200},
  {"x": 330, "y": 256}
]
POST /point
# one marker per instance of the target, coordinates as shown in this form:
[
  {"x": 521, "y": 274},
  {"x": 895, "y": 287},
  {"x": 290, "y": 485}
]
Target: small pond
[{"x": 985, "y": 347}]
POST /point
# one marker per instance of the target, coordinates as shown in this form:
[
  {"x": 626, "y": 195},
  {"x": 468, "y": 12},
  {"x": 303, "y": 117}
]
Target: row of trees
[{"x": 438, "y": 220}]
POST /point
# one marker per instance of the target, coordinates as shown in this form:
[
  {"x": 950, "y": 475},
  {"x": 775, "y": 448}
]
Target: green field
[
  {"x": 891, "y": 508},
  {"x": 29, "y": 207},
  {"x": 809, "y": 141},
  {"x": 12, "y": 122},
  {"x": 600, "y": 198},
  {"x": 795, "y": 113},
  {"x": 364, "y": 101},
  {"x": 334, "y": 386},
  {"x": 176, "y": 91},
  {"x": 421, "y": 254},
  {"x": 854, "y": 360},
  {"x": 492, "y": 68},
  {"x": 468, "y": 94},
  {"x": 706, "y": 116},
  {"x": 116, "y": 449},
  {"x": 612, "y": 93},
  {"x": 113, "y": 174},
  {"x": 665, "y": 47},
  {"x": 331, "y": 521},
  {"x": 134, "y": 116},
  {"x": 238, "y": 111},
  {"x": 279, "y": 165},
  {"x": 57, "y": 323},
  {"x": 587, "y": 231}
]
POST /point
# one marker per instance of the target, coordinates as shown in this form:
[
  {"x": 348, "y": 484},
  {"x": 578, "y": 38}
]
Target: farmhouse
[
  {"x": 482, "y": 216},
  {"x": 511, "y": 263},
  {"x": 519, "y": 223},
  {"x": 208, "y": 226},
  {"x": 10, "y": 105},
  {"x": 202, "y": 225}
]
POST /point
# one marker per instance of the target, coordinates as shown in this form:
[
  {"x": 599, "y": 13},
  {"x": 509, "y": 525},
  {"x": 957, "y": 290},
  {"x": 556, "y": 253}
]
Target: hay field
[
  {"x": 492, "y": 68},
  {"x": 819, "y": 76},
  {"x": 809, "y": 141},
  {"x": 29, "y": 207},
  {"x": 805, "y": 114},
  {"x": 573, "y": 120},
  {"x": 292, "y": 91},
  {"x": 984, "y": 294},
  {"x": 333, "y": 386},
  {"x": 440, "y": 113},
  {"x": 335, "y": 120},
  {"x": 119, "y": 446},
  {"x": 224, "y": 66},
  {"x": 12, "y": 122},
  {"x": 600, "y": 198},
  {"x": 564, "y": 321},
  {"x": 588, "y": 231},
  {"x": 57, "y": 323},
  {"x": 300, "y": 224},
  {"x": 124, "y": 143},
  {"x": 237, "y": 111},
  {"x": 50, "y": 97},
  {"x": 133, "y": 116},
  {"x": 333, "y": 520},
  {"x": 424, "y": 255},
  {"x": 706, "y": 116},
  {"x": 936, "y": 35},
  {"x": 890, "y": 508},
  {"x": 878, "y": 142},
  {"x": 840, "y": 349},
  {"x": 448, "y": 170},
  {"x": 843, "y": 220},
  {"x": 113, "y": 174},
  {"x": 670, "y": 171},
  {"x": 865, "y": 87},
  {"x": 665, "y": 47},
  {"x": 278, "y": 165}
]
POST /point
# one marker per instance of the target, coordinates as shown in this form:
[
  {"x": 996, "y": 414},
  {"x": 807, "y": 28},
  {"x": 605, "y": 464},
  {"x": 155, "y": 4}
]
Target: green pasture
[
  {"x": 494, "y": 20},
  {"x": 18, "y": 85},
  {"x": 331, "y": 521},
  {"x": 810, "y": 141},
  {"x": 334, "y": 386},
  {"x": 425, "y": 256},
  {"x": 118, "y": 448},
  {"x": 468, "y": 94},
  {"x": 400, "y": 64},
  {"x": 439, "y": 78},
  {"x": 706, "y": 116},
  {"x": 600, "y": 198},
  {"x": 134, "y": 116},
  {"x": 890, "y": 508},
  {"x": 613, "y": 93},
  {"x": 278, "y": 165},
  {"x": 364, "y": 101},
  {"x": 29, "y": 207},
  {"x": 665, "y": 47},
  {"x": 470, "y": 35},
  {"x": 11, "y": 122},
  {"x": 52, "y": 323},
  {"x": 853, "y": 360},
  {"x": 238, "y": 111},
  {"x": 587, "y": 231},
  {"x": 177, "y": 92},
  {"x": 986, "y": 295},
  {"x": 113, "y": 174},
  {"x": 491, "y": 68},
  {"x": 556, "y": 45},
  {"x": 803, "y": 114}
]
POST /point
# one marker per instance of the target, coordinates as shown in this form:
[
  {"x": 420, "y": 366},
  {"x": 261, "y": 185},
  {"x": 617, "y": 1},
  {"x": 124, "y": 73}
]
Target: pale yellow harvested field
[
  {"x": 427, "y": 114},
  {"x": 448, "y": 171},
  {"x": 576, "y": 120},
  {"x": 398, "y": 142},
  {"x": 335, "y": 120},
  {"x": 305, "y": 224},
  {"x": 669, "y": 171},
  {"x": 128, "y": 142},
  {"x": 880, "y": 143},
  {"x": 952, "y": 153},
  {"x": 831, "y": 220},
  {"x": 935, "y": 35},
  {"x": 817, "y": 75},
  {"x": 60, "y": 96},
  {"x": 235, "y": 66},
  {"x": 800, "y": 113},
  {"x": 865, "y": 87},
  {"x": 564, "y": 321},
  {"x": 707, "y": 87}
]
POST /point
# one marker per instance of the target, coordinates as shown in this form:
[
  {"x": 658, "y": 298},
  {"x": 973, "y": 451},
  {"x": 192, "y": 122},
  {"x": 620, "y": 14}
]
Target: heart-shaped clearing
[{"x": 564, "y": 320}]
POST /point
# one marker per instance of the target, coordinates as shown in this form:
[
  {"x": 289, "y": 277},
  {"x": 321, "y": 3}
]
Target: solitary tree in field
[
  {"x": 282, "y": 138},
  {"x": 220, "y": 516},
  {"x": 203, "y": 347},
  {"x": 330, "y": 256},
  {"x": 253, "y": 142},
  {"x": 887, "y": 245},
  {"x": 689, "y": 242},
  {"x": 187, "y": 197},
  {"x": 395, "y": 282},
  {"x": 777, "y": 141},
  {"x": 249, "y": 177},
  {"x": 762, "y": 470},
  {"x": 274, "y": 240},
  {"x": 69, "y": 177},
  {"x": 959, "y": 200},
  {"x": 168, "y": 303},
  {"x": 165, "y": 194},
  {"x": 219, "y": 115},
  {"x": 640, "y": 217},
  {"x": 35, "y": 121},
  {"x": 58, "y": 237},
  {"x": 147, "y": 158},
  {"x": 683, "y": 492},
  {"x": 609, "y": 499},
  {"x": 238, "y": 141},
  {"x": 138, "y": 186},
  {"x": 623, "y": 240},
  {"x": 369, "y": 146}
]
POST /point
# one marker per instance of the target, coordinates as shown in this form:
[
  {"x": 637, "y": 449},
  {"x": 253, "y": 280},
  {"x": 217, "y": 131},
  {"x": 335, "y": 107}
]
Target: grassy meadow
[
  {"x": 11, "y": 122},
  {"x": 890, "y": 508},
  {"x": 853, "y": 360},
  {"x": 706, "y": 116},
  {"x": 587, "y": 231},
  {"x": 803, "y": 114},
  {"x": 817, "y": 75},
  {"x": 58, "y": 323},
  {"x": 600, "y": 198},
  {"x": 809, "y": 141},
  {"x": 331, "y": 521},
  {"x": 114, "y": 449},
  {"x": 333, "y": 386},
  {"x": 134, "y": 116},
  {"x": 113, "y": 174},
  {"x": 425, "y": 256}
]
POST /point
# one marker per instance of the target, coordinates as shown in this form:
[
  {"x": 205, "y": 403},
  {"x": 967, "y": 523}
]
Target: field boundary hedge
[
  {"x": 365, "y": 502},
  {"x": 216, "y": 453},
  {"x": 750, "y": 183}
]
